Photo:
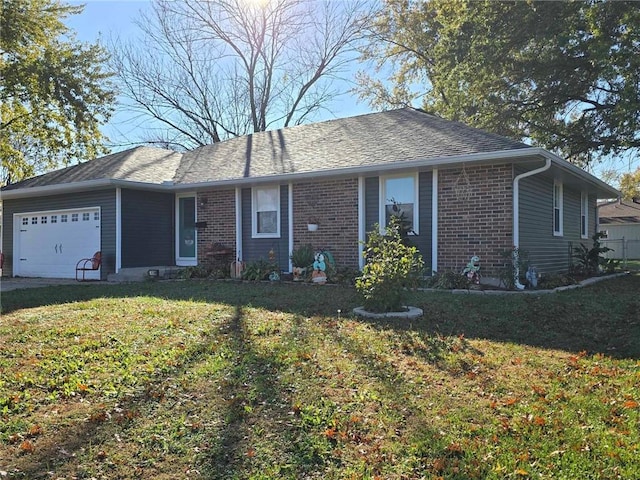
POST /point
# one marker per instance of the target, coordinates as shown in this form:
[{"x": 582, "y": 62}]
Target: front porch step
[{"x": 138, "y": 274}]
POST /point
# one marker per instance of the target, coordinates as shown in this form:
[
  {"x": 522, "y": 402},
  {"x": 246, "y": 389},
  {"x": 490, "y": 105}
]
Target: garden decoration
[
  {"x": 532, "y": 276},
  {"x": 302, "y": 259},
  {"x": 319, "y": 274},
  {"x": 462, "y": 186},
  {"x": 472, "y": 270},
  {"x": 274, "y": 276},
  {"x": 323, "y": 266}
]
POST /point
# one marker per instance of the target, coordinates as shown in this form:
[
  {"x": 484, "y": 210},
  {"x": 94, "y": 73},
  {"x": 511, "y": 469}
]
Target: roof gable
[
  {"x": 140, "y": 164},
  {"x": 367, "y": 140},
  {"x": 623, "y": 211}
]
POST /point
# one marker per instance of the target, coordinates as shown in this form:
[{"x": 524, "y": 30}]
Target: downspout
[{"x": 516, "y": 213}]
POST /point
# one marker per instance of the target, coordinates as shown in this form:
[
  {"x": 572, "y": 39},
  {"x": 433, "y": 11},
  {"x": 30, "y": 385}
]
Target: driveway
[{"x": 7, "y": 283}]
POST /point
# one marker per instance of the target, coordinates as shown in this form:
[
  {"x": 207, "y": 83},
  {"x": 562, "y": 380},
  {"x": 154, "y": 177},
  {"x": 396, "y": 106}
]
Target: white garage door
[{"x": 49, "y": 244}]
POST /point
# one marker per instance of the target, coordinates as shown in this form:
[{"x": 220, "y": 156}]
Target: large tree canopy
[
  {"x": 206, "y": 71},
  {"x": 54, "y": 93},
  {"x": 563, "y": 75},
  {"x": 630, "y": 184}
]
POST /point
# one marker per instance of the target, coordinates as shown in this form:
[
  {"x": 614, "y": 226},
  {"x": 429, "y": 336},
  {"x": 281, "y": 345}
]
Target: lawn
[{"x": 220, "y": 380}]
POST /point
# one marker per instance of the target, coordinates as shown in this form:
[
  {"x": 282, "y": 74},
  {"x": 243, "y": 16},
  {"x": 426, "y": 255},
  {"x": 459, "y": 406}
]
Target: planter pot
[
  {"x": 312, "y": 227},
  {"x": 298, "y": 274}
]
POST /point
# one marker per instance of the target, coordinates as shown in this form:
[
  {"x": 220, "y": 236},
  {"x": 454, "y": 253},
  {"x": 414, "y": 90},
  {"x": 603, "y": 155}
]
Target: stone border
[
  {"x": 410, "y": 313},
  {"x": 583, "y": 283}
]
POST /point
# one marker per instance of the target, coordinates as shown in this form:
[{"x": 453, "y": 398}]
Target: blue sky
[{"x": 102, "y": 19}]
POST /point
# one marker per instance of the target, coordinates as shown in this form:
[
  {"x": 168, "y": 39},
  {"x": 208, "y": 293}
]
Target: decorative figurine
[
  {"x": 472, "y": 270},
  {"x": 319, "y": 274}
]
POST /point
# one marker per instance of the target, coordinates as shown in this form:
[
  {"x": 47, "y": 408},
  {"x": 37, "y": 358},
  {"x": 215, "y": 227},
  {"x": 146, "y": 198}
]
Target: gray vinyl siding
[
  {"x": 105, "y": 199},
  {"x": 258, "y": 248},
  {"x": 147, "y": 228},
  {"x": 547, "y": 252},
  {"x": 425, "y": 189}
]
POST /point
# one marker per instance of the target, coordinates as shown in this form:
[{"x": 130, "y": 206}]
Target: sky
[{"x": 102, "y": 19}]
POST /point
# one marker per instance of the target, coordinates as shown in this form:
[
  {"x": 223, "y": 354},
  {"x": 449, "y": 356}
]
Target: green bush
[
  {"x": 198, "y": 271},
  {"x": 549, "y": 282},
  {"x": 590, "y": 261},
  {"x": 391, "y": 267},
  {"x": 515, "y": 263},
  {"x": 447, "y": 280},
  {"x": 258, "y": 270},
  {"x": 302, "y": 256}
]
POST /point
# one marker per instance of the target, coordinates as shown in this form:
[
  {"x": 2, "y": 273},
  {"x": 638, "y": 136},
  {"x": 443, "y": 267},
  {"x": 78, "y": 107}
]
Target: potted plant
[
  {"x": 312, "y": 224},
  {"x": 302, "y": 258}
]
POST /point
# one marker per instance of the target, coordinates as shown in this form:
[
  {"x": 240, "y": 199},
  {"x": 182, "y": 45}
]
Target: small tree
[
  {"x": 591, "y": 260},
  {"x": 391, "y": 268}
]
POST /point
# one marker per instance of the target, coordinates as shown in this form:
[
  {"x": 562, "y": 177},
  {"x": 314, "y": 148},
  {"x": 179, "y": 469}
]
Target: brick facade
[
  {"x": 333, "y": 204},
  {"x": 218, "y": 209},
  {"x": 475, "y": 217}
]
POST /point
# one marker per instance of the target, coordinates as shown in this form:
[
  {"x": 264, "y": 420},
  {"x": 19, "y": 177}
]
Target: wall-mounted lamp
[{"x": 203, "y": 201}]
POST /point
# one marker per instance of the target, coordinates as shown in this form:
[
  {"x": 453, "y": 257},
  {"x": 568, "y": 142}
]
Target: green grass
[
  {"x": 633, "y": 265},
  {"x": 208, "y": 380}
]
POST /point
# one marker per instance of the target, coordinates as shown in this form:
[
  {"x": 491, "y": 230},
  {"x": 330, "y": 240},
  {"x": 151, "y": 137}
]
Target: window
[
  {"x": 34, "y": 220},
  {"x": 25, "y": 220},
  {"x": 63, "y": 218},
  {"x": 54, "y": 219},
  {"x": 86, "y": 217},
  {"x": 265, "y": 215},
  {"x": 584, "y": 215},
  {"x": 96, "y": 216},
  {"x": 557, "y": 209},
  {"x": 74, "y": 217},
  {"x": 43, "y": 219},
  {"x": 399, "y": 195}
]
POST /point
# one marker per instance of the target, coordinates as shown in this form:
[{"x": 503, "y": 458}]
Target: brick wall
[
  {"x": 334, "y": 205},
  {"x": 478, "y": 225},
  {"x": 218, "y": 209}
]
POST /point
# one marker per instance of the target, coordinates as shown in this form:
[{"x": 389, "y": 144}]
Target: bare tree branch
[{"x": 208, "y": 71}]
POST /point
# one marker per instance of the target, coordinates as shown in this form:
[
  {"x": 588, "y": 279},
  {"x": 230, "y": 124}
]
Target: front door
[{"x": 186, "y": 234}]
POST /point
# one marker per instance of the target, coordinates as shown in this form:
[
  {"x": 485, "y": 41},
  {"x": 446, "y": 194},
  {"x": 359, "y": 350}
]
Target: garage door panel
[{"x": 49, "y": 244}]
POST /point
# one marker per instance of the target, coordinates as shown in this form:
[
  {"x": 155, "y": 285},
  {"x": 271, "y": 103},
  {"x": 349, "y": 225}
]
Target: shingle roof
[
  {"x": 624, "y": 211},
  {"x": 365, "y": 140},
  {"x": 140, "y": 164}
]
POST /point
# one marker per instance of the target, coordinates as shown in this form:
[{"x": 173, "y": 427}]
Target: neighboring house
[
  {"x": 620, "y": 222},
  {"x": 467, "y": 192}
]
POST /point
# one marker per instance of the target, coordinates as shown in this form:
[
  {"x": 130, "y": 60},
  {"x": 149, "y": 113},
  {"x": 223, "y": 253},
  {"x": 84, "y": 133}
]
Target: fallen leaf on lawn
[{"x": 27, "y": 447}]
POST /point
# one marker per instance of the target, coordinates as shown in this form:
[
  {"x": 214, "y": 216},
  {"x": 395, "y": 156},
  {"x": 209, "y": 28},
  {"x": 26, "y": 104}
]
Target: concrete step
[{"x": 138, "y": 274}]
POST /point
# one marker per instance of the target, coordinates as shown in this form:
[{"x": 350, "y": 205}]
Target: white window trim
[
  {"x": 382, "y": 220},
  {"x": 558, "y": 232},
  {"x": 254, "y": 213},
  {"x": 584, "y": 212}
]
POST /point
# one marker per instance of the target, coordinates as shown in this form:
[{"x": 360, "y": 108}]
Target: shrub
[
  {"x": 258, "y": 270},
  {"x": 391, "y": 267},
  {"x": 302, "y": 257},
  {"x": 198, "y": 271},
  {"x": 549, "y": 282},
  {"x": 515, "y": 264},
  {"x": 447, "y": 280},
  {"x": 591, "y": 260}
]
